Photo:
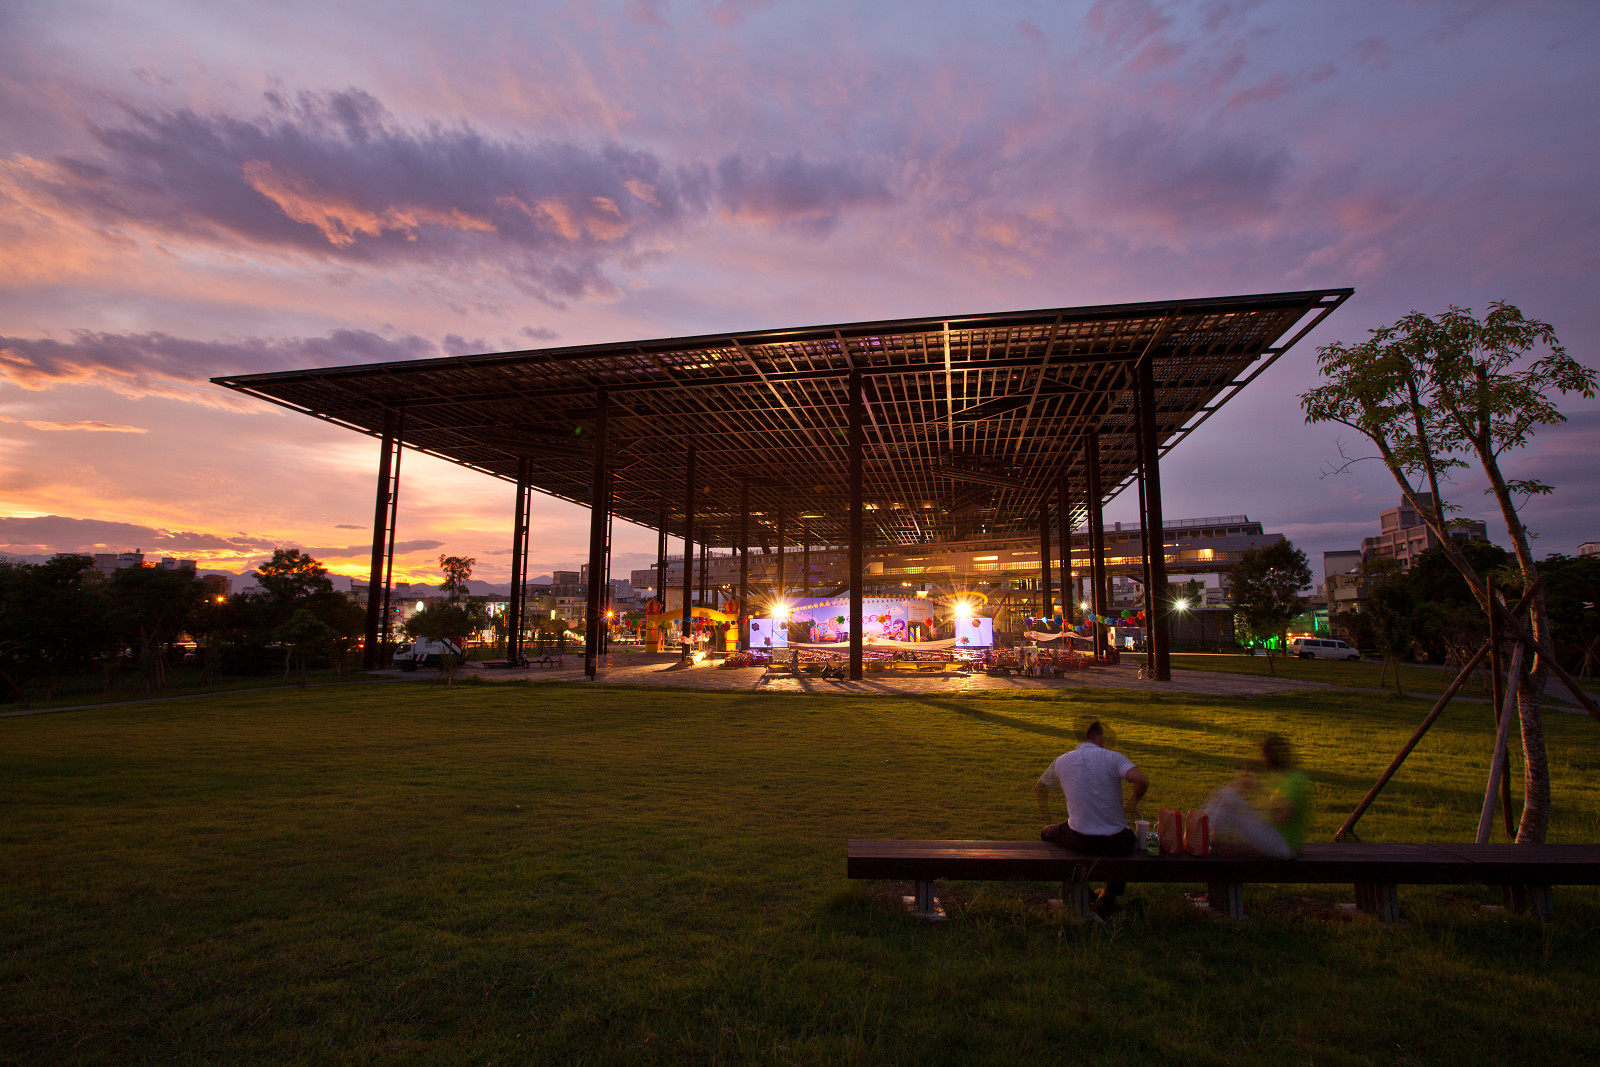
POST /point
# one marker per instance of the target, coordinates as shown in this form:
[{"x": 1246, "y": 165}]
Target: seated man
[
  {"x": 1279, "y": 830},
  {"x": 1090, "y": 777}
]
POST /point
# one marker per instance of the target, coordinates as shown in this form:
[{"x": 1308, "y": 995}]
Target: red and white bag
[
  {"x": 1169, "y": 825},
  {"x": 1197, "y": 833}
]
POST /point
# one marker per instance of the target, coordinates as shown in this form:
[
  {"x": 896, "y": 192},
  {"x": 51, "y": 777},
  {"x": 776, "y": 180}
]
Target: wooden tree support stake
[
  {"x": 1497, "y": 763},
  {"x": 1405, "y": 750}
]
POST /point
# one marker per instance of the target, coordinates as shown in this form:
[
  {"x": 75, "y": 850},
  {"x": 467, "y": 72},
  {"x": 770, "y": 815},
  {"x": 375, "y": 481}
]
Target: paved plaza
[{"x": 663, "y": 670}]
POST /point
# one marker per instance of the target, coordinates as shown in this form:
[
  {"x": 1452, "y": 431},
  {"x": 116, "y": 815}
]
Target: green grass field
[
  {"x": 590, "y": 874},
  {"x": 1366, "y": 674}
]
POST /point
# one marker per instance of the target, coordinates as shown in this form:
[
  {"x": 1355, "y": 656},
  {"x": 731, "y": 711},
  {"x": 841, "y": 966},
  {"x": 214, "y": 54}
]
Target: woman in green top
[
  {"x": 1238, "y": 828},
  {"x": 1287, "y": 796}
]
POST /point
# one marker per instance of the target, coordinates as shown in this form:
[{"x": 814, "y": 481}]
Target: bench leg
[
  {"x": 1535, "y": 900},
  {"x": 1379, "y": 900},
  {"x": 924, "y": 905},
  {"x": 1076, "y": 899},
  {"x": 1226, "y": 899}
]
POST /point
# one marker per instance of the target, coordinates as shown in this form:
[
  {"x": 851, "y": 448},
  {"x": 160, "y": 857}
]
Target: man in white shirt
[{"x": 1090, "y": 777}]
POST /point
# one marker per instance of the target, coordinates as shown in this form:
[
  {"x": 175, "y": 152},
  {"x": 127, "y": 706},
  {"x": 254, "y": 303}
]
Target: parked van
[
  {"x": 424, "y": 653},
  {"x": 1320, "y": 648}
]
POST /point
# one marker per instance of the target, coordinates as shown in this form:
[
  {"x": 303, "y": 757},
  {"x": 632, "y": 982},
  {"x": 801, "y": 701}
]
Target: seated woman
[{"x": 1277, "y": 829}]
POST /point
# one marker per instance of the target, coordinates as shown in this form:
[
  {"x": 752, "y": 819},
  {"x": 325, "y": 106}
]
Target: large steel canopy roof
[{"x": 971, "y": 421}]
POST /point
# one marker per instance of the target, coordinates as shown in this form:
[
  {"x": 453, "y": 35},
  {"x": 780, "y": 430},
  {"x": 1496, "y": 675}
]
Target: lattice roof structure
[{"x": 971, "y": 421}]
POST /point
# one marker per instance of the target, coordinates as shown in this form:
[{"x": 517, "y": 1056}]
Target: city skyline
[{"x": 187, "y": 191}]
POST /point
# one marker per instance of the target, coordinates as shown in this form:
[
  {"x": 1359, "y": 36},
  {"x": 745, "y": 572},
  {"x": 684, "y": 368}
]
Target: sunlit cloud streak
[
  {"x": 337, "y": 177},
  {"x": 42, "y": 534}
]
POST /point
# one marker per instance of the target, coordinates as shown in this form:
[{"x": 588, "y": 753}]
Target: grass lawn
[
  {"x": 1421, "y": 680},
  {"x": 568, "y": 873}
]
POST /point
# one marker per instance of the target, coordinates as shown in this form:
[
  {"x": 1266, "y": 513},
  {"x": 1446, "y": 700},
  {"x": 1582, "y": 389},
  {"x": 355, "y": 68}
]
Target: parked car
[
  {"x": 424, "y": 653},
  {"x": 1321, "y": 648}
]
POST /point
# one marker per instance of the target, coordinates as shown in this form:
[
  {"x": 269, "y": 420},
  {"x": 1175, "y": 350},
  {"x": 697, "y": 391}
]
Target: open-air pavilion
[{"x": 895, "y": 433}]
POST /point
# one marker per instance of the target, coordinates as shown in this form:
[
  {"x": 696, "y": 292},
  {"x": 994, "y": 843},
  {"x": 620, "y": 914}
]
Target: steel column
[
  {"x": 1097, "y": 536},
  {"x": 394, "y": 522},
  {"x": 380, "y": 532},
  {"x": 599, "y": 508},
  {"x": 744, "y": 566},
  {"x": 857, "y": 433},
  {"x": 1148, "y": 582},
  {"x": 777, "y": 594},
  {"x": 805, "y": 560},
  {"x": 515, "y": 606},
  {"x": 688, "y": 549},
  {"x": 1064, "y": 531},
  {"x": 1045, "y": 600},
  {"x": 1160, "y": 621}
]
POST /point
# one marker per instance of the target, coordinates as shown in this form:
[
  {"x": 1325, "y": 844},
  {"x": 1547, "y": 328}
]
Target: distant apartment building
[
  {"x": 1341, "y": 580},
  {"x": 1589, "y": 548},
  {"x": 1404, "y": 535},
  {"x": 108, "y": 563}
]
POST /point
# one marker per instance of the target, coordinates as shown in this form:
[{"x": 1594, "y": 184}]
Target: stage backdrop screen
[
  {"x": 887, "y": 620},
  {"x": 768, "y": 633},
  {"x": 974, "y": 633}
]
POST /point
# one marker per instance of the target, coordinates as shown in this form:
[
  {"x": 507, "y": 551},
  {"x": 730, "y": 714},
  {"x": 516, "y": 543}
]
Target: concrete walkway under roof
[{"x": 647, "y": 669}]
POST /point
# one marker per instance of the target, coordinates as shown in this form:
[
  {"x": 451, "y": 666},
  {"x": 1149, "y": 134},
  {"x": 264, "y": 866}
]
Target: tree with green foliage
[
  {"x": 1265, "y": 585},
  {"x": 291, "y": 576},
  {"x": 457, "y": 571},
  {"x": 443, "y": 620},
  {"x": 1392, "y": 611},
  {"x": 1449, "y": 624},
  {"x": 1453, "y": 391},
  {"x": 53, "y": 620},
  {"x": 151, "y": 606},
  {"x": 1573, "y": 597},
  {"x": 304, "y": 636}
]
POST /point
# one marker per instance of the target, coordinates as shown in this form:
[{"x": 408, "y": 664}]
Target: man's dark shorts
[{"x": 1119, "y": 844}]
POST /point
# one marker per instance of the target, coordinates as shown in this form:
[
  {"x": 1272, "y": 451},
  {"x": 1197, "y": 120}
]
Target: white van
[
  {"x": 1321, "y": 648},
  {"x": 424, "y": 653}
]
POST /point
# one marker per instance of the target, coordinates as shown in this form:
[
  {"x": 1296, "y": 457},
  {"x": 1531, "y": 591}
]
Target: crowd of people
[{"x": 1265, "y": 811}]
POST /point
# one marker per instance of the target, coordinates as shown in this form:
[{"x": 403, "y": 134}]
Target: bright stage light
[{"x": 962, "y": 610}]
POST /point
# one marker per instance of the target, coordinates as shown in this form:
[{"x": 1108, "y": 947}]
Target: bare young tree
[{"x": 1439, "y": 393}]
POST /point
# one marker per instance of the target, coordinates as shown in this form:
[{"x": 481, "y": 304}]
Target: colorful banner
[
  {"x": 769, "y": 633},
  {"x": 887, "y": 619}
]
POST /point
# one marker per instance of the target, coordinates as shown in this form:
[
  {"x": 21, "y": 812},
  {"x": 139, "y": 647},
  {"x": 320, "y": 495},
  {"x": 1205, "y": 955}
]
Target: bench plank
[{"x": 1348, "y": 864}]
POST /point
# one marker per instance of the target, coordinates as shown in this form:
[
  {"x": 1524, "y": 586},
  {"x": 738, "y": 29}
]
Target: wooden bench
[{"x": 1375, "y": 870}]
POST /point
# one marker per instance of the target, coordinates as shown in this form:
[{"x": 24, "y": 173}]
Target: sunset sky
[{"x": 190, "y": 189}]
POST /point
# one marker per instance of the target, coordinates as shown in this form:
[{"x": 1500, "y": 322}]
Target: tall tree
[
  {"x": 457, "y": 571},
  {"x": 1452, "y": 391},
  {"x": 153, "y": 605},
  {"x": 53, "y": 620},
  {"x": 1392, "y": 611},
  {"x": 447, "y": 621},
  {"x": 291, "y": 576},
  {"x": 304, "y": 636},
  {"x": 1265, "y": 585}
]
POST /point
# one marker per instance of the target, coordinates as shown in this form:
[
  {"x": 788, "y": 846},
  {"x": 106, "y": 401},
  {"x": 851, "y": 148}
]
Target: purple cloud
[
  {"x": 793, "y": 192},
  {"x": 336, "y": 176},
  {"x": 158, "y": 364},
  {"x": 1148, "y": 170}
]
